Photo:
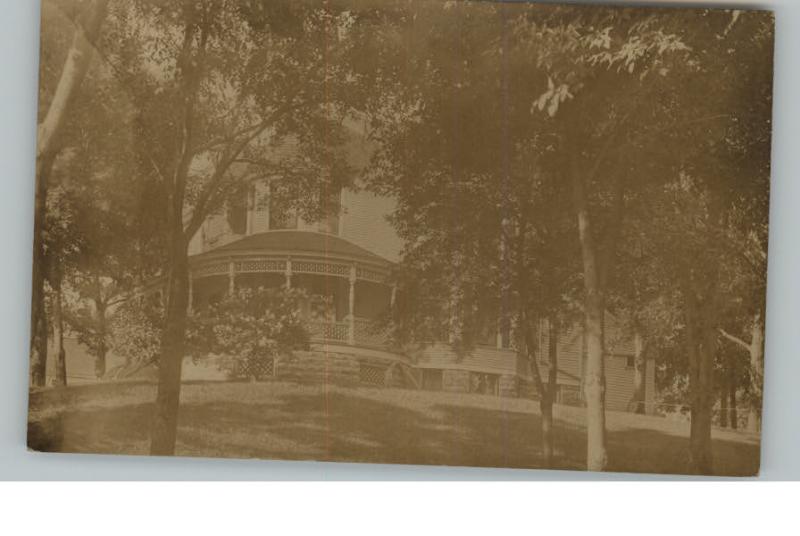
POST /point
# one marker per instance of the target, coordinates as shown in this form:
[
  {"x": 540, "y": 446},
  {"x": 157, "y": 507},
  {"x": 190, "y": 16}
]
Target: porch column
[
  {"x": 394, "y": 296},
  {"x": 231, "y": 279},
  {"x": 288, "y": 272},
  {"x": 191, "y": 294},
  {"x": 351, "y": 307},
  {"x": 499, "y": 336}
]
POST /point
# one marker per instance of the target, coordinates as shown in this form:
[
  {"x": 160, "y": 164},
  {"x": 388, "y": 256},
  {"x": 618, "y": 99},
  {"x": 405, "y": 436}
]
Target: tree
[
  {"x": 252, "y": 327},
  {"x": 441, "y": 136},
  {"x": 224, "y": 93},
  {"x": 87, "y": 18},
  {"x": 719, "y": 187},
  {"x": 599, "y": 68},
  {"x": 638, "y": 82},
  {"x": 608, "y": 97},
  {"x": 136, "y": 333}
]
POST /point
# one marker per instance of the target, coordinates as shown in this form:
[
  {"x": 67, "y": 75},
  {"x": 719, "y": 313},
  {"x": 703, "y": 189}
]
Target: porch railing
[
  {"x": 366, "y": 335},
  {"x": 329, "y": 331},
  {"x": 363, "y": 333}
]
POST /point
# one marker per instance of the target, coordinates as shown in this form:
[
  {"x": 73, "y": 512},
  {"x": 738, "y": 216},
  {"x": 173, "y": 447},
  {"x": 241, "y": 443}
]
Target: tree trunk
[
  {"x": 60, "y": 369},
  {"x": 79, "y": 56},
  {"x": 165, "y": 418},
  {"x": 756, "y": 374},
  {"x": 755, "y": 349},
  {"x": 38, "y": 335},
  {"x": 546, "y": 392},
  {"x": 723, "y": 405},
  {"x": 732, "y": 413},
  {"x": 639, "y": 375},
  {"x": 701, "y": 341},
  {"x": 75, "y": 67},
  {"x": 594, "y": 371},
  {"x": 548, "y": 395},
  {"x": 100, "y": 357},
  {"x": 594, "y": 385},
  {"x": 594, "y": 311},
  {"x": 546, "y": 409}
]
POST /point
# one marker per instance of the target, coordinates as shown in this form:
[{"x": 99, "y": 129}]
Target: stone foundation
[
  {"x": 318, "y": 367},
  {"x": 339, "y": 368}
]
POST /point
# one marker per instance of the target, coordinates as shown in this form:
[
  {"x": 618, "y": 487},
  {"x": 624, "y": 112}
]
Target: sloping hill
[{"x": 330, "y": 423}]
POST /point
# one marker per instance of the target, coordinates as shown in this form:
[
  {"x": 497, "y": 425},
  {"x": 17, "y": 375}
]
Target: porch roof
[{"x": 296, "y": 243}]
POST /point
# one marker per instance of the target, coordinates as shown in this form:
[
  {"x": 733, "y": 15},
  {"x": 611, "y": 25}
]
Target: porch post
[
  {"x": 394, "y": 296},
  {"x": 231, "y": 279},
  {"x": 499, "y": 335},
  {"x": 351, "y": 307},
  {"x": 288, "y": 272}
]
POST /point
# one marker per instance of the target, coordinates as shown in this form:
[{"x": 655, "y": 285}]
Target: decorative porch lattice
[
  {"x": 371, "y": 374},
  {"x": 366, "y": 334},
  {"x": 310, "y": 267},
  {"x": 255, "y": 368},
  {"x": 367, "y": 274},
  {"x": 260, "y": 265},
  {"x": 329, "y": 331}
]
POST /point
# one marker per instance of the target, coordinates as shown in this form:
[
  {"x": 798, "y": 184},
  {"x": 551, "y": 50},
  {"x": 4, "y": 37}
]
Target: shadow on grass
[{"x": 347, "y": 425}]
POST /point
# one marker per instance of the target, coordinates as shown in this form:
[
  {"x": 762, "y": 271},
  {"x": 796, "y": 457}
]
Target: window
[
  {"x": 484, "y": 383},
  {"x": 630, "y": 361},
  {"x": 237, "y": 212}
]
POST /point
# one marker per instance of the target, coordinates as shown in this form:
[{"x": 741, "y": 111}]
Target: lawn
[{"x": 282, "y": 420}]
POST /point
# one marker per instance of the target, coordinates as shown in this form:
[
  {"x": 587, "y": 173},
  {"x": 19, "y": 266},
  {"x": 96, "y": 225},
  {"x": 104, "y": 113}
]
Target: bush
[{"x": 252, "y": 329}]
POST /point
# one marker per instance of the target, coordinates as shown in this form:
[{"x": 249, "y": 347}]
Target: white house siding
[
  {"x": 482, "y": 359},
  {"x": 362, "y": 221},
  {"x": 619, "y": 383}
]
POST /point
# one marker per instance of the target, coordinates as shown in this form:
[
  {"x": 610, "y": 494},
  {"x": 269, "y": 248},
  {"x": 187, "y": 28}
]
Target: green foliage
[
  {"x": 91, "y": 333},
  {"x": 249, "y": 328},
  {"x": 136, "y": 332}
]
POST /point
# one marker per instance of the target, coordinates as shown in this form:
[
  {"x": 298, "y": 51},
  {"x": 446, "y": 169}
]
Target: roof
[{"x": 296, "y": 243}]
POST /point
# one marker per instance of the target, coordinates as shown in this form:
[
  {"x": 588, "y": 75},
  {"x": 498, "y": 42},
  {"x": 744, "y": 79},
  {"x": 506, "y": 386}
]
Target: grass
[{"x": 281, "y": 420}]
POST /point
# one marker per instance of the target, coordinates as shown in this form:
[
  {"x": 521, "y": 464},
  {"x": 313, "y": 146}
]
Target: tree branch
[{"x": 230, "y": 155}]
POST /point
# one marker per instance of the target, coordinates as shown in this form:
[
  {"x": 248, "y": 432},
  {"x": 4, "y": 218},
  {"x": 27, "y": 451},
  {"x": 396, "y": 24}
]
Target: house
[{"x": 344, "y": 262}]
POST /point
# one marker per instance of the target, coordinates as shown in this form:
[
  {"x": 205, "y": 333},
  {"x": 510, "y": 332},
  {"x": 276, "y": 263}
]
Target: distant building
[{"x": 343, "y": 262}]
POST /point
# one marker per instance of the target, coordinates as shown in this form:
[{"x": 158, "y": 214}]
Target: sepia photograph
[{"x": 453, "y": 233}]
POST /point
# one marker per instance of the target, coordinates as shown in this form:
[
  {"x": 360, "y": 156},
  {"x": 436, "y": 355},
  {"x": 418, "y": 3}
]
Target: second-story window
[{"x": 237, "y": 212}]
